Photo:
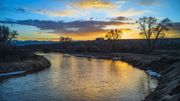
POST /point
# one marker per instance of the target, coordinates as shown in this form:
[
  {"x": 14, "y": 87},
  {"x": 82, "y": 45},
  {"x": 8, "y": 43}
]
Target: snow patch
[
  {"x": 11, "y": 73},
  {"x": 152, "y": 73}
]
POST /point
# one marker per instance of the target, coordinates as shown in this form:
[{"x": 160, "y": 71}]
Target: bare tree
[
  {"x": 161, "y": 29},
  {"x": 64, "y": 39},
  {"x": 6, "y": 35},
  {"x": 114, "y": 34},
  {"x": 153, "y": 30}
]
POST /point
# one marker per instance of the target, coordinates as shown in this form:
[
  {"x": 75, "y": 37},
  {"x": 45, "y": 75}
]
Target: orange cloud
[{"x": 94, "y": 4}]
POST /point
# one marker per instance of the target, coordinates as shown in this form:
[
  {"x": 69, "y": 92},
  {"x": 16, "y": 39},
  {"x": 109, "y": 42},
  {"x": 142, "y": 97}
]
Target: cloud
[
  {"x": 45, "y": 12},
  {"x": 129, "y": 12},
  {"x": 54, "y": 13},
  {"x": 21, "y": 9},
  {"x": 75, "y": 13},
  {"x": 150, "y": 2},
  {"x": 174, "y": 31},
  {"x": 93, "y": 4},
  {"x": 86, "y": 8},
  {"x": 176, "y": 26},
  {"x": 74, "y": 27},
  {"x": 8, "y": 19},
  {"x": 120, "y": 18}
]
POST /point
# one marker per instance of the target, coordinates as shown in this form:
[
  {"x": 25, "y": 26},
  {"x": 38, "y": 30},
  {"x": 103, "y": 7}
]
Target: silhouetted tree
[
  {"x": 64, "y": 39},
  {"x": 114, "y": 34},
  {"x": 6, "y": 35},
  {"x": 65, "y": 42},
  {"x": 152, "y": 29}
]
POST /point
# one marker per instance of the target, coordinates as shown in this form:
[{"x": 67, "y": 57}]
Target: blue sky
[{"x": 82, "y": 10}]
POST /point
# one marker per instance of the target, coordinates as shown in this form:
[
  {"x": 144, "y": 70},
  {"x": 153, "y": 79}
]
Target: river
[{"x": 73, "y": 78}]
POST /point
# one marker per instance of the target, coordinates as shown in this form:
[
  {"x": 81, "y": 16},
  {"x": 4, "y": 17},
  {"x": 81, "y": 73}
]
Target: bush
[
  {"x": 9, "y": 53},
  {"x": 94, "y": 49},
  {"x": 80, "y": 48},
  {"x": 5, "y": 50}
]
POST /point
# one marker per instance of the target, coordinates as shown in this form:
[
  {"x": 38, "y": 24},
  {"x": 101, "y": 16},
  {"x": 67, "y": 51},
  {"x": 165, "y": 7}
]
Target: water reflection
[{"x": 80, "y": 79}]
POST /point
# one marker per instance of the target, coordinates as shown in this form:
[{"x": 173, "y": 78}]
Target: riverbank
[
  {"x": 166, "y": 65},
  {"x": 22, "y": 67}
]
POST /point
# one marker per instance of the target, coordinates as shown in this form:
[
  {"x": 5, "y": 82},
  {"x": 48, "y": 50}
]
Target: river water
[{"x": 73, "y": 78}]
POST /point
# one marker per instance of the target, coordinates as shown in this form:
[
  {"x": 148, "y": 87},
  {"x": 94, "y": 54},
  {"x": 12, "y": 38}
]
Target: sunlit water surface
[{"x": 73, "y": 78}]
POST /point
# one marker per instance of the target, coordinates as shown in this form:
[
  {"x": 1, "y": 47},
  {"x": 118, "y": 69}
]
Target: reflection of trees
[{"x": 113, "y": 68}]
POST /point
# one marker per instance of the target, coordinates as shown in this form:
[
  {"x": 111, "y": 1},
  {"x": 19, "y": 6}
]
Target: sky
[{"x": 84, "y": 19}]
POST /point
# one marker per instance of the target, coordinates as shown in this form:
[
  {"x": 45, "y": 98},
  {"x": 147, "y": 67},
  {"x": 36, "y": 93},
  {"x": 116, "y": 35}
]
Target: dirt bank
[{"x": 29, "y": 65}]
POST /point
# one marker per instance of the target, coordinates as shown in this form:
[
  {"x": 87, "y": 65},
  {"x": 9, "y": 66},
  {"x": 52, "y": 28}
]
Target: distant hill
[{"x": 31, "y": 42}]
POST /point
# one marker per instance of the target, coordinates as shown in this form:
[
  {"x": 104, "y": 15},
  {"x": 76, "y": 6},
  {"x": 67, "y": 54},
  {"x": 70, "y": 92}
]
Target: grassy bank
[{"x": 14, "y": 61}]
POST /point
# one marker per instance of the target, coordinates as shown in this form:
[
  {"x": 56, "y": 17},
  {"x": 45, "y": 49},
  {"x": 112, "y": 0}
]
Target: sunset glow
[{"x": 84, "y": 19}]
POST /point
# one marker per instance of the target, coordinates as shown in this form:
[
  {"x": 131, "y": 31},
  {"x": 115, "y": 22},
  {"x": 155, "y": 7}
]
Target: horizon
[
  {"x": 47, "y": 20},
  {"x": 88, "y": 40}
]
